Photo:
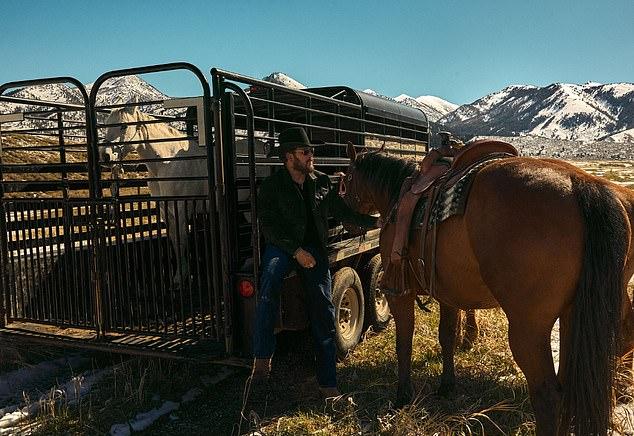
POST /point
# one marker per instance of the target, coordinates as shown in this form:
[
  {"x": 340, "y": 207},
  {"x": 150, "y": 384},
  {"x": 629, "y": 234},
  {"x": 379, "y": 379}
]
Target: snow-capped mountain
[
  {"x": 624, "y": 136},
  {"x": 113, "y": 91},
  {"x": 56, "y": 92},
  {"x": 434, "y": 107},
  {"x": 587, "y": 112},
  {"x": 567, "y": 112},
  {"x": 125, "y": 89},
  {"x": 284, "y": 80}
]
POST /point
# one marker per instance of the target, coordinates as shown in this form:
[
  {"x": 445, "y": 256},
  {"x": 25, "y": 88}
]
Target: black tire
[
  {"x": 377, "y": 311},
  {"x": 347, "y": 297}
]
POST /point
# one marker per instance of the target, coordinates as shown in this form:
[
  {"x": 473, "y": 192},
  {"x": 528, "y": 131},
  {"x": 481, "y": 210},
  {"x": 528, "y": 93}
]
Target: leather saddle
[{"x": 437, "y": 172}]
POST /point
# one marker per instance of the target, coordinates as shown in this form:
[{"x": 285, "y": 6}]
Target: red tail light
[{"x": 246, "y": 288}]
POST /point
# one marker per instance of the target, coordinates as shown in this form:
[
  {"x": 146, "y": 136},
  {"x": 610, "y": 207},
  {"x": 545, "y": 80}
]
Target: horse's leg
[
  {"x": 447, "y": 335},
  {"x": 402, "y": 309},
  {"x": 472, "y": 330},
  {"x": 530, "y": 345}
]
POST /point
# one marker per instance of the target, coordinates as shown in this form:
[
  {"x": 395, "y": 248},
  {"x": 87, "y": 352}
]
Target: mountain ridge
[
  {"x": 588, "y": 112},
  {"x": 585, "y": 113}
]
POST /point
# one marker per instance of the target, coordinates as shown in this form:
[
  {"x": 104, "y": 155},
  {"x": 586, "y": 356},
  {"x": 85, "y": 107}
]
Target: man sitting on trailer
[{"x": 293, "y": 208}]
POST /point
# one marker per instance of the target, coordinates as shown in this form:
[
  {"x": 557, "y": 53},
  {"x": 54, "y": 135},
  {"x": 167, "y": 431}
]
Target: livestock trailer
[{"x": 128, "y": 223}]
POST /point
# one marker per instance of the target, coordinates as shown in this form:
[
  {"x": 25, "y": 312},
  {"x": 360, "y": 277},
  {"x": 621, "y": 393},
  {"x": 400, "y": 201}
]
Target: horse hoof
[
  {"x": 445, "y": 389},
  {"x": 404, "y": 397},
  {"x": 401, "y": 402}
]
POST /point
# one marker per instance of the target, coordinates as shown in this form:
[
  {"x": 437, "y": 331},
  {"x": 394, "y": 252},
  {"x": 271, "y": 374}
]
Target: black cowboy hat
[{"x": 292, "y": 138}]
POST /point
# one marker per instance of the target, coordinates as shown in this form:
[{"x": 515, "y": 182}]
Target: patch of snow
[
  {"x": 432, "y": 100},
  {"x": 619, "y": 90},
  {"x": 191, "y": 394},
  {"x": 13, "y": 383},
  {"x": 403, "y": 97},
  {"x": 144, "y": 420},
  {"x": 284, "y": 80},
  {"x": 73, "y": 390},
  {"x": 624, "y": 136}
]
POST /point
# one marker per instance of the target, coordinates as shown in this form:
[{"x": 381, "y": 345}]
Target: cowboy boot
[
  {"x": 261, "y": 369},
  {"x": 257, "y": 392},
  {"x": 329, "y": 392}
]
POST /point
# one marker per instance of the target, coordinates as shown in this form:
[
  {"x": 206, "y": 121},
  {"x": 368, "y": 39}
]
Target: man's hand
[{"x": 304, "y": 258}]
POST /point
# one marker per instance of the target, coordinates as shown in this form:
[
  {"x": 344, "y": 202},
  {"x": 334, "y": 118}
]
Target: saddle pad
[{"x": 451, "y": 201}]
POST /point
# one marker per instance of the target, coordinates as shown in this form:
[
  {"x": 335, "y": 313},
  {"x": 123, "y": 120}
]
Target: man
[{"x": 293, "y": 208}]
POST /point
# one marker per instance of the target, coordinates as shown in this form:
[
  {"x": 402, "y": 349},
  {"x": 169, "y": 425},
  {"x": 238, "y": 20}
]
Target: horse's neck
[
  {"x": 164, "y": 150},
  {"x": 382, "y": 200}
]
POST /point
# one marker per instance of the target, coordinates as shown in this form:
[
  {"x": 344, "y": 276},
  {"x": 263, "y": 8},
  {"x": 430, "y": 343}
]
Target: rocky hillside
[{"x": 590, "y": 112}]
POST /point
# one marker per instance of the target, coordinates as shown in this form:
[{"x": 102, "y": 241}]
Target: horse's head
[
  {"x": 123, "y": 134},
  {"x": 352, "y": 186},
  {"x": 373, "y": 180}
]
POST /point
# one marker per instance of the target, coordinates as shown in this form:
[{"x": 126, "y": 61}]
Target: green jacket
[{"x": 282, "y": 211}]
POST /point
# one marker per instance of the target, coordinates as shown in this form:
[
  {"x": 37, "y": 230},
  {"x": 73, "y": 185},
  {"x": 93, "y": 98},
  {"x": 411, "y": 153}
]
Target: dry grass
[
  {"x": 490, "y": 397},
  {"x": 621, "y": 172}
]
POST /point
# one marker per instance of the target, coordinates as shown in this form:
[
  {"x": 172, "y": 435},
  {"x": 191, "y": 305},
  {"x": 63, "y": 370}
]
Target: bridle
[
  {"x": 117, "y": 167},
  {"x": 355, "y": 200},
  {"x": 352, "y": 200}
]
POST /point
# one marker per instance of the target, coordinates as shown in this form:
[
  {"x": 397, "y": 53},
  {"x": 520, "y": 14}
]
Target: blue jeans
[{"x": 321, "y": 312}]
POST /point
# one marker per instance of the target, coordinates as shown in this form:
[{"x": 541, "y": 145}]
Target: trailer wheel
[
  {"x": 347, "y": 297},
  {"x": 377, "y": 311}
]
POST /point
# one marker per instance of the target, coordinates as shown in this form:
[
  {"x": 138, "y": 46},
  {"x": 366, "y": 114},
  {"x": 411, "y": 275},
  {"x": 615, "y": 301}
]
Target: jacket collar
[
  {"x": 312, "y": 176},
  {"x": 309, "y": 182}
]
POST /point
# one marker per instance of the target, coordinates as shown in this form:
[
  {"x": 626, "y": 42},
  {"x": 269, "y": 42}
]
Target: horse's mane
[
  {"x": 122, "y": 115},
  {"x": 142, "y": 116},
  {"x": 383, "y": 170}
]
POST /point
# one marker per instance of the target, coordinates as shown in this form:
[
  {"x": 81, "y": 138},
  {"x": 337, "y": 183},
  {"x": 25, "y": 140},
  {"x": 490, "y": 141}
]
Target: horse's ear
[
  {"x": 352, "y": 153},
  {"x": 130, "y": 109}
]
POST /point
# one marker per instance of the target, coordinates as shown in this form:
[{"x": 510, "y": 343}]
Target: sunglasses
[{"x": 308, "y": 151}]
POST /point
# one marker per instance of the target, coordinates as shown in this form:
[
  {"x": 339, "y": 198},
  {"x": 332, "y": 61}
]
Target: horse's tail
[{"x": 591, "y": 366}]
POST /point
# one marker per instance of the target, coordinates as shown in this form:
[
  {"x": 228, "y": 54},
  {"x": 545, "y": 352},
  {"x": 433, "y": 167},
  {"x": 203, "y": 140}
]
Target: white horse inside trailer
[{"x": 176, "y": 169}]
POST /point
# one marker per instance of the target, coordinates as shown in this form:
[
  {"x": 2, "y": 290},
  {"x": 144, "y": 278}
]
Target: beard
[{"x": 304, "y": 168}]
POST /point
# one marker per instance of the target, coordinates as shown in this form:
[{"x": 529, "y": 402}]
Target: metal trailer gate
[
  {"x": 46, "y": 209},
  {"x": 91, "y": 251},
  {"x": 94, "y": 260}
]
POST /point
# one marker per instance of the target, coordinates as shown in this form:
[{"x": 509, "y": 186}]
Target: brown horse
[{"x": 543, "y": 240}]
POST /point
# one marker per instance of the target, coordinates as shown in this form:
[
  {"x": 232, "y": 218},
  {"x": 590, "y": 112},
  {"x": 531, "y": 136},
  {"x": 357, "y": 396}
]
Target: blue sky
[{"x": 457, "y": 50}]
